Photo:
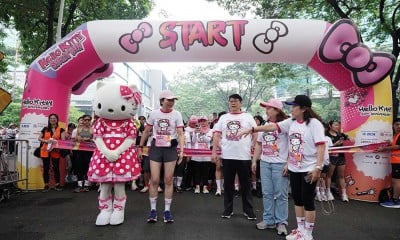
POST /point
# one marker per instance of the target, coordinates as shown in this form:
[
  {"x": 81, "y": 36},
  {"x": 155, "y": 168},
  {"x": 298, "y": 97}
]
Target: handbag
[{"x": 36, "y": 152}]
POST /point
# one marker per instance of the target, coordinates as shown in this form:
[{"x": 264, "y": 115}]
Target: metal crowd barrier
[{"x": 12, "y": 169}]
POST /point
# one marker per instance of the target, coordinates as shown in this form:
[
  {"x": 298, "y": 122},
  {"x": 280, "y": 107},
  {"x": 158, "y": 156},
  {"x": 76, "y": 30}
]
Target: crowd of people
[
  {"x": 279, "y": 152},
  {"x": 9, "y": 133}
]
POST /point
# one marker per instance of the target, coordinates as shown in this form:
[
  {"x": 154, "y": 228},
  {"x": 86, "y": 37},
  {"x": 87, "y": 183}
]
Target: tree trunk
[{"x": 50, "y": 19}]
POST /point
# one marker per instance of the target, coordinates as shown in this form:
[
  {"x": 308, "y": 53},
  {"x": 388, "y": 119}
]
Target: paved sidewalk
[{"x": 67, "y": 215}]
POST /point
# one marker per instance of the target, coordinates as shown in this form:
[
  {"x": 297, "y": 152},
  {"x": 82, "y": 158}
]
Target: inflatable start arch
[{"x": 332, "y": 50}]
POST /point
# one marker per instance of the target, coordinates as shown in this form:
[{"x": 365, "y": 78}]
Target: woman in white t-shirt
[
  {"x": 306, "y": 158},
  {"x": 167, "y": 125},
  {"x": 201, "y": 165},
  {"x": 273, "y": 148}
]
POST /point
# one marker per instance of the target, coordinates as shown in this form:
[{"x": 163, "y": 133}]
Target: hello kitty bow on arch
[
  {"x": 129, "y": 94},
  {"x": 342, "y": 44}
]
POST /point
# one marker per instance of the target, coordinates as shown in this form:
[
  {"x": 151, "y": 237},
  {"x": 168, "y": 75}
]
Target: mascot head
[{"x": 116, "y": 102}]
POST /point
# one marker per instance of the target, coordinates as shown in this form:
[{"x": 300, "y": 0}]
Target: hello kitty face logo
[
  {"x": 233, "y": 127},
  {"x": 264, "y": 42},
  {"x": 295, "y": 142},
  {"x": 269, "y": 138},
  {"x": 130, "y": 41},
  {"x": 163, "y": 124}
]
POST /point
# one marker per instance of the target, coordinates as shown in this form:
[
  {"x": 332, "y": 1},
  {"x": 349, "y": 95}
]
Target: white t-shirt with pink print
[
  {"x": 165, "y": 123},
  {"x": 232, "y": 146},
  {"x": 303, "y": 140},
  {"x": 274, "y": 146}
]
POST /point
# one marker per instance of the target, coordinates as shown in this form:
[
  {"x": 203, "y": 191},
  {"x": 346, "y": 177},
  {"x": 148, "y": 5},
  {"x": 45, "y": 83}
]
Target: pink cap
[
  {"x": 203, "y": 118},
  {"x": 193, "y": 119},
  {"x": 167, "y": 94},
  {"x": 272, "y": 103}
]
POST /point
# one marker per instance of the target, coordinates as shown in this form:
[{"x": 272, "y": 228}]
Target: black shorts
[
  {"x": 163, "y": 154},
  {"x": 337, "y": 161},
  {"x": 396, "y": 170}
]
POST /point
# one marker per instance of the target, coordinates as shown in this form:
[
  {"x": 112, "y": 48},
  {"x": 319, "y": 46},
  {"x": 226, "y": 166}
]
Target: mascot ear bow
[{"x": 130, "y": 94}]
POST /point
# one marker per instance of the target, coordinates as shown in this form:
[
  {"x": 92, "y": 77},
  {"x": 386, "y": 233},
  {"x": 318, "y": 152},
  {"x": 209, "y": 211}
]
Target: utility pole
[{"x": 60, "y": 18}]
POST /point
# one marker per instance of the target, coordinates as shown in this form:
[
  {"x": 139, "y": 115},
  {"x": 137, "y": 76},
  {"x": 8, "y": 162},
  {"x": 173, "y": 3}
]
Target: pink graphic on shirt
[
  {"x": 232, "y": 130},
  {"x": 163, "y": 125},
  {"x": 270, "y": 147},
  {"x": 295, "y": 149}
]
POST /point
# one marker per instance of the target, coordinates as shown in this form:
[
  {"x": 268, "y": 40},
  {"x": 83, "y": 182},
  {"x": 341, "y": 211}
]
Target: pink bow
[
  {"x": 126, "y": 92},
  {"x": 342, "y": 44},
  {"x": 104, "y": 206},
  {"x": 119, "y": 207}
]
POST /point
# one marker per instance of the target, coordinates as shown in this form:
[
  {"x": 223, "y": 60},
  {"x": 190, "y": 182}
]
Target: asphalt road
[{"x": 66, "y": 215}]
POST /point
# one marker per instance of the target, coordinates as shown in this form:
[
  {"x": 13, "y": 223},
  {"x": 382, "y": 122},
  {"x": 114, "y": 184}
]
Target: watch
[{"x": 318, "y": 167}]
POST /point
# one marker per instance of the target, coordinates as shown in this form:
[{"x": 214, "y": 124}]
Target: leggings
[
  {"x": 201, "y": 170},
  {"x": 46, "y": 169},
  {"x": 82, "y": 164},
  {"x": 303, "y": 193}
]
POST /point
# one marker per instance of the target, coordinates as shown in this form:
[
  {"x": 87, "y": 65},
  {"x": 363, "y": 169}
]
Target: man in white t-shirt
[{"x": 235, "y": 155}]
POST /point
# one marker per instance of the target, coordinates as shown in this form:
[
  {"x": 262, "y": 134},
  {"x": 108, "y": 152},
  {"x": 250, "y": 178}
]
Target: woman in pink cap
[
  {"x": 167, "y": 126},
  {"x": 306, "y": 157},
  {"x": 272, "y": 149}
]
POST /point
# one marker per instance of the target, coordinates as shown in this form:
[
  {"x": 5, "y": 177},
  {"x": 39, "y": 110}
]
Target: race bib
[
  {"x": 163, "y": 140},
  {"x": 202, "y": 146}
]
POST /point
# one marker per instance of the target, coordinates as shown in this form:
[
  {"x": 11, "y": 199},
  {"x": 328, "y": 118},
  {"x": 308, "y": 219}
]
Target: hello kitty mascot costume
[{"x": 114, "y": 161}]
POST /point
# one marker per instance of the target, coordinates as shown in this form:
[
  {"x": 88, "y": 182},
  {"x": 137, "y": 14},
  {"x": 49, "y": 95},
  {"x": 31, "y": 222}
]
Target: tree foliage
[
  {"x": 36, "y": 21},
  {"x": 378, "y": 21},
  {"x": 206, "y": 89}
]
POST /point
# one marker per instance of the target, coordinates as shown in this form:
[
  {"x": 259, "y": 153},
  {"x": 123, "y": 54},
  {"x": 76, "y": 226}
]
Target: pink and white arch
[{"x": 332, "y": 50}]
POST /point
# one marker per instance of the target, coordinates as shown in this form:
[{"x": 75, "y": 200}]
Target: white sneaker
[
  {"x": 218, "y": 192},
  {"x": 298, "y": 235},
  {"x": 294, "y": 235},
  {"x": 197, "y": 190},
  {"x": 262, "y": 225},
  {"x": 329, "y": 195},
  {"x": 134, "y": 186},
  {"x": 323, "y": 196},
  {"x": 205, "y": 190},
  {"x": 281, "y": 228},
  {"x": 145, "y": 189},
  {"x": 86, "y": 183},
  {"x": 318, "y": 196},
  {"x": 345, "y": 198}
]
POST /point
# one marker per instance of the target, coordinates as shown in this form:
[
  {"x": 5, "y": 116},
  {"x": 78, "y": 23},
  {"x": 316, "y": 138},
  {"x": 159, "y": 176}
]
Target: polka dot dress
[{"x": 127, "y": 167}]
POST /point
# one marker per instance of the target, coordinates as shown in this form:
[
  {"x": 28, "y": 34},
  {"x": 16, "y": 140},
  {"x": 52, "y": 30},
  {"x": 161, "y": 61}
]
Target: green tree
[
  {"x": 10, "y": 114},
  {"x": 3, "y": 62},
  {"x": 378, "y": 21},
  {"x": 74, "y": 114},
  {"x": 206, "y": 89},
  {"x": 36, "y": 21}
]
